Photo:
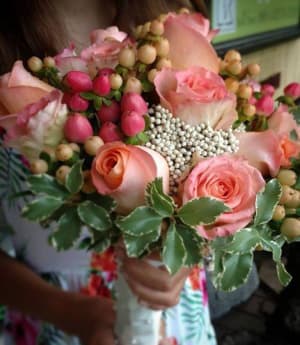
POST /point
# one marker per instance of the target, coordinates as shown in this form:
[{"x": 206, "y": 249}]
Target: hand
[
  {"x": 153, "y": 286},
  {"x": 94, "y": 321}
]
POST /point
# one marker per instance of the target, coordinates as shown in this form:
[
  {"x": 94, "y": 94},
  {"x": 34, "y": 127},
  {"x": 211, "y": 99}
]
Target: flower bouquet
[{"x": 154, "y": 141}]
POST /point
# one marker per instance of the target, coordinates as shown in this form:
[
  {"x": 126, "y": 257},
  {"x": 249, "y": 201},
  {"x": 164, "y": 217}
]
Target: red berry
[
  {"x": 77, "y": 128},
  {"x": 78, "y": 81},
  {"x": 133, "y": 102},
  {"x": 66, "y": 98},
  {"x": 110, "y": 112},
  {"x": 77, "y": 103},
  {"x": 106, "y": 71},
  {"x": 101, "y": 85},
  {"x": 109, "y": 132},
  {"x": 132, "y": 123}
]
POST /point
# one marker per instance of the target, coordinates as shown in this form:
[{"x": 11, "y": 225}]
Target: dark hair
[{"x": 32, "y": 27}]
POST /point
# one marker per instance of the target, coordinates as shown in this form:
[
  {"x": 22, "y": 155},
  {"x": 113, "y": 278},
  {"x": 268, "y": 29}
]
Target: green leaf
[
  {"x": 89, "y": 96},
  {"x": 293, "y": 135},
  {"x": 104, "y": 201},
  {"x": 106, "y": 101},
  {"x": 41, "y": 209},
  {"x": 296, "y": 113},
  {"x": 94, "y": 216},
  {"x": 266, "y": 201},
  {"x": 201, "y": 211},
  {"x": 193, "y": 242},
  {"x": 162, "y": 203},
  {"x": 101, "y": 241},
  {"x": 283, "y": 275},
  {"x": 117, "y": 95},
  {"x": 68, "y": 230},
  {"x": 46, "y": 184},
  {"x": 98, "y": 102},
  {"x": 174, "y": 251},
  {"x": 244, "y": 241},
  {"x": 236, "y": 270},
  {"x": 140, "y": 222},
  {"x": 74, "y": 180},
  {"x": 137, "y": 245}
]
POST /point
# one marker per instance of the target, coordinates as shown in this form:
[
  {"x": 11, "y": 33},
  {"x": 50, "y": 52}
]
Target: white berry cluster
[{"x": 178, "y": 141}]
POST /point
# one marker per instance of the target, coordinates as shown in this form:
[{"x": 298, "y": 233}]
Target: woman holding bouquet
[{"x": 44, "y": 28}]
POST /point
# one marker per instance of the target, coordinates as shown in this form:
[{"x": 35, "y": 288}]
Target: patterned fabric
[{"x": 186, "y": 324}]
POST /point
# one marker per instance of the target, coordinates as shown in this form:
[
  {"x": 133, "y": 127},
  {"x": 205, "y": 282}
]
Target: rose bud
[
  {"x": 101, "y": 85},
  {"x": 77, "y": 103},
  {"x": 133, "y": 102},
  {"x": 132, "y": 123},
  {"x": 268, "y": 89},
  {"x": 78, "y": 81},
  {"x": 292, "y": 90},
  {"x": 110, "y": 112},
  {"x": 109, "y": 132},
  {"x": 77, "y": 128},
  {"x": 265, "y": 105}
]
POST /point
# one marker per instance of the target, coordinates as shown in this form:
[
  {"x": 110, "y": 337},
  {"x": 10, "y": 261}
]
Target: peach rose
[
  {"x": 105, "y": 48},
  {"x": 189, "y": 37},
  {"x": 123, "y": 172},
  {"x": 31, "y": 112},
  {"x": 231, "y": 180},
  {"x": 196, "y": 96}
]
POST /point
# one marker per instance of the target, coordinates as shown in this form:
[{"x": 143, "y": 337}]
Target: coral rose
[
  {"x": 196, "y": 96},
  {"x": 123, "y": 172},
  {"x": 189, "y": 37},
  {"x": 231, "y": 180}
]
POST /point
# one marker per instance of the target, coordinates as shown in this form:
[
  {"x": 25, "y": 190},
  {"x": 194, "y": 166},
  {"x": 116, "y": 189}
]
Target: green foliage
[
  {"x": 201, "y": 211},
  {"x": 74, "y": 180},
  {"x": 174, "y": 251},
  {"x": 94, "y": 216},
  {"x": 68, "y": 230},
  {"x": 296, "y": 113},
  {"x": 42, "y": 208},
  {"x": 47, "y": 185},
  {"x": 105, "y": 201},
  {"x": 136, "y": 246},
  {"x": 266, "y": 202}
]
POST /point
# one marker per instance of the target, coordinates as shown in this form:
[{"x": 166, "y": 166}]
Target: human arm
[{"x": 91, "y": 318}]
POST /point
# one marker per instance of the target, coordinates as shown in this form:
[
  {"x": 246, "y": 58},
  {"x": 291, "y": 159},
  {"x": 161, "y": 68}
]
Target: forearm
[{"x": 23, "y": 290}]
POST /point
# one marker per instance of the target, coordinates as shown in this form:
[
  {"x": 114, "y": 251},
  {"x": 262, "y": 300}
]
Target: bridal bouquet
[{"x": 155, "y": 141}]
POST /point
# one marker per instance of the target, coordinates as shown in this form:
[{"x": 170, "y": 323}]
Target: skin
[{"x": 90, "y": 318}]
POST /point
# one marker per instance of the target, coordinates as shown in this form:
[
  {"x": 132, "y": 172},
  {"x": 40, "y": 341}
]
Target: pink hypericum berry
[
  {"x": 133, "y": 102},
  {"x": 106, "y": 71},
  {"x": 109, "y": 131},
  {"x": 265, "y": 105},
  {"x": 132, "y": 123},
  {"x": 110, "y": 113},
  {"x": 252, "y": 100},
  {"x": 77, "y": 128},
  {"x": 77, "y": 103},
  {"x": 66, "y": 98},
  {"x": 292, "y": 90},
  {"x": 268, "y": 89},
  {"x": 101, "y": 85},
  {"x": 78, "y": 81}
]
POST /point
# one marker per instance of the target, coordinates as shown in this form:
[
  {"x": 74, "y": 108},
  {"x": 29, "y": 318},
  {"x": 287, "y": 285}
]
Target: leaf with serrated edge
[
  {"x": 193, "y": 242},
  {"x": 137, "y": 245},
  {"x": 266, "y": 201},
  {"x": 201, "y": 211},
  {"x": 236, "y": 270},
  {"x": 46, "y": 184},
  {"x": 104, "y": 201},
  {"x": 283, "y": 275},
  {"x": 243, "y": 241},
  {"x": 140, "y": 221},
  {"x": 162, "y": 203},
  {"x": 174, "y": 251},
  {"x": 41, "y": 209},
  {"x": 74, "y": 179},
  {"x": 94, "y": 216},
  {"x": 68, "y": 230}
]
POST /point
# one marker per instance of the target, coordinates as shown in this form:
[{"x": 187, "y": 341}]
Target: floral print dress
[{"x": 92, "y": 274}]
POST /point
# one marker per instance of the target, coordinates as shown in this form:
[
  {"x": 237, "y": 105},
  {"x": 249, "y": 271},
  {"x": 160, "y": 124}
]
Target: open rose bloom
[{"x": 155, "y": 141}]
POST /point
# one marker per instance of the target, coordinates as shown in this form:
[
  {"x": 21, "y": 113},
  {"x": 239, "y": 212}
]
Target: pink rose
[
  {"x": 123, "y": 172},
  {"x": 32, "y": 113},
  {"x": 189, "y": 37},
  {"x": 68, "y": 60},
  {"x": 105, "y": 48},
  {"x": 292, "y": 90},
  {"x": 231, "y": 180},
  {"x": 262, "y": 151},
  {"x": 196, "y": 96}
]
